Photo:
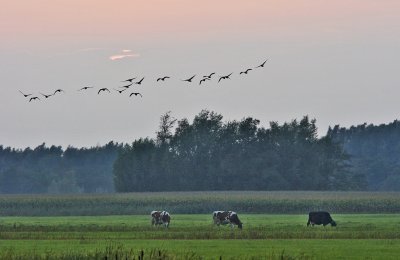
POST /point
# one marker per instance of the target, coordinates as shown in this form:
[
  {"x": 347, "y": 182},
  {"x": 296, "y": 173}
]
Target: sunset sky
[{"x": 336, "y": 61}]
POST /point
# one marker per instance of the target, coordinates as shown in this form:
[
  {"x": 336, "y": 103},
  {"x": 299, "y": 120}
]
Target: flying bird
[
  {"x": 189, "y": 79},
  {"x": 33, "y": 98},
  {"x": 47, "y": 96},
  {"x": 140, "y": 81},
  {"x": 103, "y": 89},
  {"x": 209, "y": 76},
  {"x": 135, "y": 93},
  {"x": 163, "y": 78},
  {"x": 58, "y": 90},
  {"x": 126, "y": 86},
  {"x": 25, "y": 95},
  {"x": 84, "y": 88},
  {"x": 120, "y": 91},
  {"x": 204, "y": 79},
  {"x": 130, "y": 80},
  {"x": 245, "y": 72},
  {"x": 225, "y": 77},
  {"x": 262, "y": 64}
]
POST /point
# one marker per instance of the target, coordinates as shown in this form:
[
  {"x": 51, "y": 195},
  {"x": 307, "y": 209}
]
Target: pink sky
[{"x": 47, "y": 21}]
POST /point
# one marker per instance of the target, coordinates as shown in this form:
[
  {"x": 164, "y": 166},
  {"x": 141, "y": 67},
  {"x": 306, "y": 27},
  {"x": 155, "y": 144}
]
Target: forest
[{"x": 208, "y": 153}]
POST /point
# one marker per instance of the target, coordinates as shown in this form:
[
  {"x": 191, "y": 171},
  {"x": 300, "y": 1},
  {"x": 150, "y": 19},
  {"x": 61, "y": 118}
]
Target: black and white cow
[
  {"x": 226, "y": 217},
  {"x": 320, "y": 217},
  {"x": 160, "y": 218}
]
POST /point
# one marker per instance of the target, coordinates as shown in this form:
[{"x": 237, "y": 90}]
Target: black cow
[
  {"x": 320, "y": 217},
  {"x": 226, "y": 217}
]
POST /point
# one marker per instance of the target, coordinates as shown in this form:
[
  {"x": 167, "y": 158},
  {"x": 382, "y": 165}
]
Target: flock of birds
[{"x": 131, "y": 81}]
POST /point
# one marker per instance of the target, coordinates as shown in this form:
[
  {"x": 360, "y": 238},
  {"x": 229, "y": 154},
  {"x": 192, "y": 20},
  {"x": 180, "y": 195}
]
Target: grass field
[{"x": 192, "y": 236}]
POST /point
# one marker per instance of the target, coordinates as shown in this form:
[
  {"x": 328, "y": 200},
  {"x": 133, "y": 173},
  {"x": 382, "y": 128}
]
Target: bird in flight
[
  {"x": 130, "y": 80},
  {"x": 33, "y": 98},
  {"x": 126, "y": 86},
  {"x": 120, "y": 91},
  {"x": 103, "y": 89},
  {"x": 209, "y": 76},
  {"x": 224, "y": 77},
  {"x": 84, "y": 88},
  {"x": 245, "y": 72},
  {"x": 189, "y": 79},
  {"x": 25, "y": 95},
  {"x": 58, "y": 90},
  {"x": 140, "y": 81},
  {"x": 262, "y": 64},
  {"x": 47, "y": 96},
  {"x": 163, "y": 78},
  {"x": 135, "y": 93},
  {"x": 204, "y": 79}
]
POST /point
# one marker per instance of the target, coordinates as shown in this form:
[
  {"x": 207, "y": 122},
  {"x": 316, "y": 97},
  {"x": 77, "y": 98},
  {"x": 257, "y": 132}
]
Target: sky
[{"x": 335, "y": 61}]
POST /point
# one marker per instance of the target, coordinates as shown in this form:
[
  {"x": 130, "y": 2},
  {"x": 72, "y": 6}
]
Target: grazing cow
[
  {"x": 160, "y": 218},
  {"x": 226, "y": 217},
  {"x": 320, "y": 217}
]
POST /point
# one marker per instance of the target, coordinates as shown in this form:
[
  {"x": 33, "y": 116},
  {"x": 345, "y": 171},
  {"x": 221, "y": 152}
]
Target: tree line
[
  {"x": 54, "y": 170},
  {"x": 208, "y": 153}
]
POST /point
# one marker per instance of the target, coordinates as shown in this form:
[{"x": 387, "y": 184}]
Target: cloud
[{"x": 123, "y": 56}]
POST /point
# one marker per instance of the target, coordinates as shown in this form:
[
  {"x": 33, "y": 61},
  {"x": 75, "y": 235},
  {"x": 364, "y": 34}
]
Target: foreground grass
[
  {"x": 358, "y": 236},
  {"x": 213, "y": 249}
]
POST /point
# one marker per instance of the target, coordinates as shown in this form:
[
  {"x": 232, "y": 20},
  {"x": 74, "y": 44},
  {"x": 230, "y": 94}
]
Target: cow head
[{"x": 333, "y": 224}]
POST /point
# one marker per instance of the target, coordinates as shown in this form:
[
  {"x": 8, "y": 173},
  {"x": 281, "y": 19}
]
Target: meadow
[{"x": 267, "y": 235}]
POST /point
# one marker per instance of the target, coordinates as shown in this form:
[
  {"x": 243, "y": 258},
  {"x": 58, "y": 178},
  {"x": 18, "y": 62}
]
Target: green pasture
[{"x": 192, "y": 236}]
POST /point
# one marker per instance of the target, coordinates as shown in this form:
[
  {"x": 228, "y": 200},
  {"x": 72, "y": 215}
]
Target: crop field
[
  {"x": 260, "y": 202},
  {"x": 267, "y": 235}
]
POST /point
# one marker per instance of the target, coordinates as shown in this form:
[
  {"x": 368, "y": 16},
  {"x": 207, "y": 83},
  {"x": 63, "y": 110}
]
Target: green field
[
  {"x": 117, "y": 226},
  {"x": 192, "y": 236}
]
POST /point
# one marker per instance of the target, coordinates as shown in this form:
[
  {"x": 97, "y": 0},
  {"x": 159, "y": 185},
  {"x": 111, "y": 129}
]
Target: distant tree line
[
  {"x": 53, "y": 170},
  {"x": 374, "y": 152},
  {"x": 211, "y": 154}
]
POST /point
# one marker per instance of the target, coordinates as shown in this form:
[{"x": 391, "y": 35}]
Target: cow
[
  {"x": 160, "y": 218},
  {"x": 320, "y": 217},
  {"x": 226, "y": 217}
]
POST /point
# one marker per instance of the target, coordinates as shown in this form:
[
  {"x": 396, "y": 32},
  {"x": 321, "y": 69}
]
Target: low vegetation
[
  {"x": 192, "y": 236},
  {"x": 200, "y": 203}
]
